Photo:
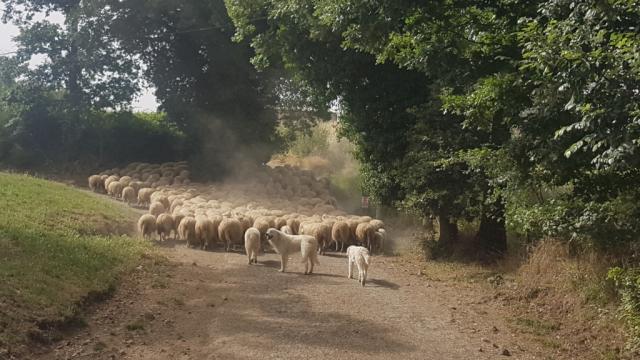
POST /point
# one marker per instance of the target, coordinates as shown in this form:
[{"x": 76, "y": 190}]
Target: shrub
[{"x": 628, "y": 283}]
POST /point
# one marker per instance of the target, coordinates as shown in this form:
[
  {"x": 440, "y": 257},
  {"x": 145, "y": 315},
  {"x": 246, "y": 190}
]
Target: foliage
[
  {"x": 527, "y": 106},
  {"x": 98, "y": 58},
  {"x": 204, "y": 81},
  {"x": 84, "y": 58},
  {"x": 628, "y": 283},
  {"x": 102, "y": 139},
  {"x": 63, "y": 229},
  {"x": 302, "y": 144}
]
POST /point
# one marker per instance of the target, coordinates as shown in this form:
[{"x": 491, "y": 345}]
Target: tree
[
  {"x": 98, "y": 57},
  {"x": 203, "y": 80},
  {"x": 444, "y": 49}
]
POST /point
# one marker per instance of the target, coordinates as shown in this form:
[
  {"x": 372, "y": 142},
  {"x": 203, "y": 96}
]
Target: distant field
[{"x": 55, "y": 253}]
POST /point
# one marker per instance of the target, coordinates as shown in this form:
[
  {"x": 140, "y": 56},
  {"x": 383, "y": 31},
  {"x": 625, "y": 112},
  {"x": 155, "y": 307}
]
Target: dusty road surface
[{"x": 212, "y": 305}]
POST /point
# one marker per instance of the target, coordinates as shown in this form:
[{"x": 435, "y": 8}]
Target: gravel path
[{"x": 212, "y": 305}]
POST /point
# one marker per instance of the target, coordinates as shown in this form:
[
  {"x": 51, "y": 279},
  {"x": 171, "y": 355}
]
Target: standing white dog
[
  {"x": 286, "y": 245},
  {"x": 360, "y": 256}
]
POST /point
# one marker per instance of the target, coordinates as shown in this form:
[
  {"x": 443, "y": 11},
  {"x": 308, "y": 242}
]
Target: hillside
[{"x": 56, "y": 254}]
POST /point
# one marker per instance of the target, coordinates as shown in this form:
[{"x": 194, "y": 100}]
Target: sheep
[
  {"x": 125, "y": 180},
  {"x": 96, "y": 183},
  {"x": 365, "y": 234},
  {"x": 109, "y": 180},
  {"x": 147, "y": 225},
  {"x": 286, "y": 245},
  {"x": 380, "y": 236},
  {"x": 187, "y": 230},
  {"x": 129, "y": 195},
  {"x": 156, "y": 209},
  {"x": 294, "y": 224},
  {"x": 353, "y": 225},
  {"x": 262, "y": 225},
  {"x": 204, "y": 231},
  {"x": 215, "y": 221},
  {"x": 252, "y": 244},
  {"x": 321, "y": 231},
  {"x": 164, "y": 226},
  {"x": 230, "y": 232},
  {"x": 136, "y": 185},
  {"x": 144, "y": 196},
  {"x": 358, "y": 255},
  {"x": 286, "y": 230},
  {"x": 377, "y": 224},
  {"x": 175, "y": 204},
  {"x": 280, "y": 222},
  {"x": 163, "y": 200},
  {"x": 115, "y": 189},
  {"x": 177, "y": 218},
  {"x": 340, "y": 234},
  {"x": 245, "y": 221}
]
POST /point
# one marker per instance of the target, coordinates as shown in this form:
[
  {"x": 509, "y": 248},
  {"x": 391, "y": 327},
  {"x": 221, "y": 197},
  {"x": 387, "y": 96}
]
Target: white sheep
[
  {"x": 365, "y": 234},
  {"x": 129, "y": 195},
  {"x": 187, "y": 230},
  {"x": 147, "y": 225},
  {"x": 204, "y": 231},
  {"x": 165, "y": 226},
  {"x": 144, "y": 196},
  {"x": 96, "y": 183},
  {"x": 286, "y": 245},
  {"x": 230, "y": 232},
  {"x": 340, "y": 234},
  {"x": 359, "y": 255},
  {"x": 115, "y": 189},
  {"x": 252, "y": 244},
  {"x": 156, "y": 208}
]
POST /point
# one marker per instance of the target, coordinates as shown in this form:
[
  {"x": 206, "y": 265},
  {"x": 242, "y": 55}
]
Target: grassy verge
[
  {"x": 561, "y": 303},
  {"x": 54, "y": 254}
]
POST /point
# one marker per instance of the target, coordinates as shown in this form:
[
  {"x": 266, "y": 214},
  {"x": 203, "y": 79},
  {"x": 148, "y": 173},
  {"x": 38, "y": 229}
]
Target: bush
[
  {"x": 628, "y": 283},
  {"x": 119, "y": 138},
  {"x": 44, "y": 138}
]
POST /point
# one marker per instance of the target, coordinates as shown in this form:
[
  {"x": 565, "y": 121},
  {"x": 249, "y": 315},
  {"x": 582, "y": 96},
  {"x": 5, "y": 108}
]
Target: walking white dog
[{"x": 360, "y": 256}]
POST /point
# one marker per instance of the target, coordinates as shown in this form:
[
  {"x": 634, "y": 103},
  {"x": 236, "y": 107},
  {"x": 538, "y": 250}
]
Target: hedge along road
[{"x": 212, "y": 305}]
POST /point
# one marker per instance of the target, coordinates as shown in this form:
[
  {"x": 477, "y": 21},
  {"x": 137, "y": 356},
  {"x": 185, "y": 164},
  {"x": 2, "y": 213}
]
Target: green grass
[
  {"x": 54, "y": 253},
  {"x": 135, "y": 326},
  {"x": 536, "y": 327}
]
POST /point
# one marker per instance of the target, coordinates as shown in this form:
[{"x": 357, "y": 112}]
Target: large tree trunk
[
  {"x": 448, "y": 232},
  {"x": 492, "y": 235}
]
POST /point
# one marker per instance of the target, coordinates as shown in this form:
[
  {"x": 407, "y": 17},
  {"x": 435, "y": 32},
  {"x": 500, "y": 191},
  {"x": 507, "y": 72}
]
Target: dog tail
[{"x": 367, "y": 259}]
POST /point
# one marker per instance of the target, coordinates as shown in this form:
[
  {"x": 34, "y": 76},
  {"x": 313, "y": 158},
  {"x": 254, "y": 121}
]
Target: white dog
[
  {"x": 286, "y": 245},
  {"x": 360, "y": 256}
]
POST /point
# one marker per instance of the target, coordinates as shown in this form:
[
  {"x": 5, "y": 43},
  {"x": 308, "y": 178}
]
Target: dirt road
[{"x": 212, "y": 305}]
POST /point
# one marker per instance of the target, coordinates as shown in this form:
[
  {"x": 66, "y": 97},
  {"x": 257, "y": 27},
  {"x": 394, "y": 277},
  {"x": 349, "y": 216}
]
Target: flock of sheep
[{"x": 240, "y": 211}]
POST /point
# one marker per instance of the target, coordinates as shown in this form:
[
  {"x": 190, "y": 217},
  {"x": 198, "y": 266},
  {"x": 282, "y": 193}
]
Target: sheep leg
[
  {"x": 306, "y": 266},
  {"x": 310, "y": 261},
  {"x": 336, "y": 245}
]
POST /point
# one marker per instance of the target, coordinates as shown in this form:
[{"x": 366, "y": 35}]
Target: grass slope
[{"x": 54, "y": 254}]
